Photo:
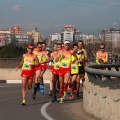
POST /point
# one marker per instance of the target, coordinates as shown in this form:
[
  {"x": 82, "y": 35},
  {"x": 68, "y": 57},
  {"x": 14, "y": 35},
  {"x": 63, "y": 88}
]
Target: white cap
[{"x": 67, "y": 42}]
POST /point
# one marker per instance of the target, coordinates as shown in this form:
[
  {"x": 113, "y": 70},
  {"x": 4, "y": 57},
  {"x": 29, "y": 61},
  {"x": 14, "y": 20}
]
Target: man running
[
  {"x": 45, "y": 60},
  {"x": 38, "y": 70},
  {"x": 64, "y": 57},
  {"x": 28, "y": 62},
  {"x": 55, "y": 71},
  {"x": 74, "y": 69},
  {"x": 57, "y": 47},
  {"x": 81, "y": 76}
]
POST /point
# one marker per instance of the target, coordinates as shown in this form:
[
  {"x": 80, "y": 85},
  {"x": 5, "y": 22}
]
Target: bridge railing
[
  {"x": 107, "y": 75},
  {"x": 110, "y": 60}
]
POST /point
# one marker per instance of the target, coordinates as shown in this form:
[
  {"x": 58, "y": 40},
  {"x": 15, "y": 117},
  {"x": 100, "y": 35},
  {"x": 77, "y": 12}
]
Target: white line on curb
[
  {"x": 44, "y": 113},
  {"x": 19, "y": 81}
]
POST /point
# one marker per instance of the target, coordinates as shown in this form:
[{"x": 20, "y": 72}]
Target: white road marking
[
  {"x": 19, "y": 81},
  {"x": 44, "y": 113}
]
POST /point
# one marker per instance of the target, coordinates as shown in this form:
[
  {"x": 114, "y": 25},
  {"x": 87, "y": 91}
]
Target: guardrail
[
  {"x": 110, "y": 60},
  {"x": 103, "y": 76},
  {"x": 101, "y": 97}
]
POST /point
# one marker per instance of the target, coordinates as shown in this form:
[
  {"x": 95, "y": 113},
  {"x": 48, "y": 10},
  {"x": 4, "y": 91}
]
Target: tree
[{"x": 10, "y": 51}]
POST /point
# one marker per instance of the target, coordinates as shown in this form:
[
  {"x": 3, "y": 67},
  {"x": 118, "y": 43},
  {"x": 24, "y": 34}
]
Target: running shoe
[
  {"x": 50, "y": 93},
  {"x": 71, "y": 96},
  {"x": 42, "y": 89},
  {"x": 61, "y": 100},
  {"x": 54, "y": 99},
  {"x": 23, "y": 102},
  {"x": 34, "y": 96}
]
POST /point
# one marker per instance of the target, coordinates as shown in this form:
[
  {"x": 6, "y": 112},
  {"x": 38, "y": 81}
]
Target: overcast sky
[{"x": 50, "y": 16}]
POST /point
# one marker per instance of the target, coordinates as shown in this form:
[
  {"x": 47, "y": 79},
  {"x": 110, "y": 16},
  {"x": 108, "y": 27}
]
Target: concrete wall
[
  {"x": 102, "y": 103},
  {"x": 11, "y": 74}
]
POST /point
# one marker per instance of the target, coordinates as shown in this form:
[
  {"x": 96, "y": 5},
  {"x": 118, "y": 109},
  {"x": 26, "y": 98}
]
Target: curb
[
  {"x": 3, "y": 81},
  {"x": 18, "y": 81}
]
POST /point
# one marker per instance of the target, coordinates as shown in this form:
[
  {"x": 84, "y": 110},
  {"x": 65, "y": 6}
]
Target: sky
[{"x": 50, "y": 16}]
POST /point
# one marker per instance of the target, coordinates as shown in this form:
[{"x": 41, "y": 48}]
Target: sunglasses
[
  {"x": 30, "y": 48},
  {"x": 101, "y": 48}
]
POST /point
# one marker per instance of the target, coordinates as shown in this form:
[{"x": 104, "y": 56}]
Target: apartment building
[
  {"x": 35, "y": 34},
  {"x": 55, "y": 37},
  {"x": 111, "y": 35},
  {"x": 23, "y": 40},
  {"x": 16, "y": 30},
  {"x": 70, "y": 33}
]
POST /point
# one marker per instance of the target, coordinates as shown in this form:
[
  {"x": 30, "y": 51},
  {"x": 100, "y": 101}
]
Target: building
[
  {"x": 16, "y": 30},
  {"x": 70, "y": 33},
  {"x": 5, "y": 32},
  {"x": 5, "y": 39},
  {"x": 67, "y": 33},
  {"x": 55, "y": 37},
  {"x": 16, "y": 36},
  {"x": 111, "y": 35},
  {"x": 22, "y": 40},
  {"x": 36, "y": 35},
  {"x": 77, "y": 36}
]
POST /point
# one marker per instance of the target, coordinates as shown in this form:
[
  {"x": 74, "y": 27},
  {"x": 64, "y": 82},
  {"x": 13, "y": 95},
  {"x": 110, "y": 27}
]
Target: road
[{"x": 39, "y": 109}]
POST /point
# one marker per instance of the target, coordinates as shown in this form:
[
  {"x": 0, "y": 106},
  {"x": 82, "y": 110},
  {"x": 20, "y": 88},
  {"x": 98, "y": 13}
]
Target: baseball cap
[{"x": 67, "y": 42}]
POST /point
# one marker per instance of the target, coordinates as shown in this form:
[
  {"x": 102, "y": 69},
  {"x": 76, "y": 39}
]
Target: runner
[
  {"x": 45, "y": 60},
  {"x": 28, "y": 62},
  {"x": 81, "y": 76},
  {"x": 55, "y": 71},
  {"x": 74, "y": 69},
  {"x": 64, "y": 57},
  {"x": 59, "y": 46},
  {"x": 102, "y": 55},
  {"x": 38, "y": 70}
]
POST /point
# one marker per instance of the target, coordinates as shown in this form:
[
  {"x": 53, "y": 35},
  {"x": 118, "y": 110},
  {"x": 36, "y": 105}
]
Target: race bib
[
  {"x": 65, "y": 64},
  {"x": 74, "y": 69},
  {"x": 56, "y": 66}
]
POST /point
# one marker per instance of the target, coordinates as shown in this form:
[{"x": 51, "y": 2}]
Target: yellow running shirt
[
  {"x": 66, "y": 61},
  {"x": 74, "y": 66},
  {"x": 56, "y": 64},
  {"x": 28, "y": 60}
]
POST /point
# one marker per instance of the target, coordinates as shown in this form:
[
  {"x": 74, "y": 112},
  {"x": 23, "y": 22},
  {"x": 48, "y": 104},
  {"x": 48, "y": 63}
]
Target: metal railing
[
  {"x": 107, "y": 75},
  {"x": 110, "y": 60}
]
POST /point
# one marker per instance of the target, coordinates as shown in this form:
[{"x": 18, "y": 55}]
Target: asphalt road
[{"x": 39, "y": 109}]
